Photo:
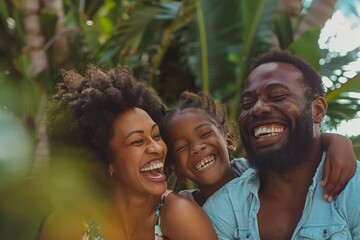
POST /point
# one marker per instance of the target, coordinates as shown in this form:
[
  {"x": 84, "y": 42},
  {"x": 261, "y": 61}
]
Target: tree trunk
[
  {"x": 34, "y": 38},
  {"x": 59, "y": 48},
  {"x": 293, "y": 7},
  {"x": 319, "y": 12}
]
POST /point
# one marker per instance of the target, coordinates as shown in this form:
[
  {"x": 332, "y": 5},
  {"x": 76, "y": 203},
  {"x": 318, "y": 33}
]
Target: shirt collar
[{"x": 252, "y": 174}]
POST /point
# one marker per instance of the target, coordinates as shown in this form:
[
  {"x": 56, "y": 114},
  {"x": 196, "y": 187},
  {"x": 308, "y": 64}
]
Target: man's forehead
[
  {"x": 274, "y": 71},
  {"x": 275, "y": 66}
]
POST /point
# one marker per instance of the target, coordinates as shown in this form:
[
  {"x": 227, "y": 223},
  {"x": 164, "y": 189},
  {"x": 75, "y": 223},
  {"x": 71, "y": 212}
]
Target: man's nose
[{"x": 261, "y": 108}]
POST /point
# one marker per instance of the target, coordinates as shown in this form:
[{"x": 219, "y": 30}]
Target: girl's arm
[{"x": 339, "y": 165}]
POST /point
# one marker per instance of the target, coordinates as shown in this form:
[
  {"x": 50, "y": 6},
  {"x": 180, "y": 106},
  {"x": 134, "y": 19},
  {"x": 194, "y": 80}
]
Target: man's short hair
[{"x": 311, "y": 78}]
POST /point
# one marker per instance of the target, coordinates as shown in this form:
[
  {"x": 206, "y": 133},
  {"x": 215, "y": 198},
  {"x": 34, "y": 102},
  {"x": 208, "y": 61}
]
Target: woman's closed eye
[
  {"x": 137, "y": 141},
  {"x": 157, "y": 136}
]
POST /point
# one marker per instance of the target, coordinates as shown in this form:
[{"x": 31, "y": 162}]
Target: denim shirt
[
  {"x": 233, "y": 210},
  {"x": 238, "y": 166}
]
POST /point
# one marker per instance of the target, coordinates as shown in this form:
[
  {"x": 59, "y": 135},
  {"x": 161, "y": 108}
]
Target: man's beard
[{"x": 292, "y": 153}]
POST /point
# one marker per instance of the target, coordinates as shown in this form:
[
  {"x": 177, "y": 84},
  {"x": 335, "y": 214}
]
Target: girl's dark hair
[{"x": 84, "y": 107}]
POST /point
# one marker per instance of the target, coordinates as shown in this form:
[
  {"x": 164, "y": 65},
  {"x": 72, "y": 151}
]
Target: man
[{"x": 282, "y": 108}]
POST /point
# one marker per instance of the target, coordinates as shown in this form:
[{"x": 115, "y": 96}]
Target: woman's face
[
  {"x": 138, "y": 153},
  {"x": 199, "y": 147}
]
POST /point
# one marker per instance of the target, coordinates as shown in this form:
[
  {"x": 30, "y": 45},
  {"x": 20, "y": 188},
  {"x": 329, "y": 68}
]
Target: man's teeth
[
  {"x": 152, "y": 166},
  {"x": 268, "y": 131},
  {"x": 205, "y": 163}
]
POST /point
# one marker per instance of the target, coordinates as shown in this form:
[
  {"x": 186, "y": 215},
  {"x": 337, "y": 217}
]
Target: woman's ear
[
  {"x": 319, "y": 108},
  {"x": 111, "y": 170},
  {"x": 230, "y": 142}
]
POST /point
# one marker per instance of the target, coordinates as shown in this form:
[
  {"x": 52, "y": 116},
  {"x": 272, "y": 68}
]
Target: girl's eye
[
  {"x": 206, "y": 134},
  {"x": 181, "y": 148}
]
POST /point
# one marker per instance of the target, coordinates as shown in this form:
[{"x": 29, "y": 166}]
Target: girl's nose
[{"x": 197, "y": 148}]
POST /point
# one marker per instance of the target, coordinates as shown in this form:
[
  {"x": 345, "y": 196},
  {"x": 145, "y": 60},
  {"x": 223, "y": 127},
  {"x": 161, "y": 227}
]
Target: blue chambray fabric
[{"x": 234, "y": 207}]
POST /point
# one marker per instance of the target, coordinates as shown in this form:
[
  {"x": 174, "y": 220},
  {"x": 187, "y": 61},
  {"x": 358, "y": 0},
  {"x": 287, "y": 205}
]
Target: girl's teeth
[{"x": 205, "y": 163}]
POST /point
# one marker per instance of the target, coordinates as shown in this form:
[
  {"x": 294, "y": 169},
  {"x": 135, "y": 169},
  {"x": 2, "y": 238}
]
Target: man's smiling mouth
[{"x": 268, "y": 130}]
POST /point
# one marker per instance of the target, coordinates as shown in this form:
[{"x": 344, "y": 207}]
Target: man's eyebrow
[{"x": 139, "y": 131}]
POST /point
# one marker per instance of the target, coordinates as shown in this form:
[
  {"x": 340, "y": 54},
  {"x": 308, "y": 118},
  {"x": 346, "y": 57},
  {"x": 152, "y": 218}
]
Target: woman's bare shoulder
[
  {"x": 61, "y": 225},
  {"x": 184, "y": 219}
]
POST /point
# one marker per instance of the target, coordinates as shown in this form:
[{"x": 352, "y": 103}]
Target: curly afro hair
[
  {"x": 83, "y": 109},
  {"x": 189, "y": 100}
]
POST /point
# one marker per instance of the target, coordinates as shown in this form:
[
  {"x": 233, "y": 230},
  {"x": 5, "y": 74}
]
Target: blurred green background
[{"x": 193, "y": 45}]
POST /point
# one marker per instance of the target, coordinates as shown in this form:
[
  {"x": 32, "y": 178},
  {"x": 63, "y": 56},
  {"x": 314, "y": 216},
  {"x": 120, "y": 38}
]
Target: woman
[{"x": 116, "y": 117}]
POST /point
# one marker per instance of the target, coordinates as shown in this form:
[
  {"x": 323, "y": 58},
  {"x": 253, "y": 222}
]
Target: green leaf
[
  {"x": 130, "y": 32},
  {"x": 109, "y": 55},
  {"x": 353, "y": 85},
  {"x": 284, "y": 30},
  {"x": 356, "y": 146},
  {"x": 92, "y": 7},
  {"x": 258, "y": 19},
  {"x": 307, "y": 47},
  {"x": 4, "y": 13},
  {"x": 48, "y": 21}
]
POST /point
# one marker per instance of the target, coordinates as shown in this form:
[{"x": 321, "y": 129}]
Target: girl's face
[
  {"x": 199, "y": 147},
  {"x": 138, "y": 153}
]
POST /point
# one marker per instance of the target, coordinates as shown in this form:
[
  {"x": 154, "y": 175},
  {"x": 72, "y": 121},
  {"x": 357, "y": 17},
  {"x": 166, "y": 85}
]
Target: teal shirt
[{"x": 233, "y": 210}]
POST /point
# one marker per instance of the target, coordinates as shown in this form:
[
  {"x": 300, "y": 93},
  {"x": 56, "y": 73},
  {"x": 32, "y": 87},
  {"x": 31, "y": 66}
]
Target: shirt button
[
  {"x": 324, "y": 233},
  {"x": 247, "y": 235}
]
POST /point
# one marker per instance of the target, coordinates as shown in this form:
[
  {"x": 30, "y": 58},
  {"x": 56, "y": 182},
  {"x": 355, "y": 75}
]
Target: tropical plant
[{"x": 174, "y": 45}]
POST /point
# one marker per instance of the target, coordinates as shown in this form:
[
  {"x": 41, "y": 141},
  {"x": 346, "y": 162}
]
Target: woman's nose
[{"x": 154, "y": 147}]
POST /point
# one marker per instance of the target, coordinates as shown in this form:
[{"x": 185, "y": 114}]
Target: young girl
[
  {"x": 115, "y": 117},
  {"x": 199, "y": 141}
]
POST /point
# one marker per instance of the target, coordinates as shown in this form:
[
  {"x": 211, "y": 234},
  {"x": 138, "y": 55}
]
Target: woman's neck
[{"x": 134, "y": 212}]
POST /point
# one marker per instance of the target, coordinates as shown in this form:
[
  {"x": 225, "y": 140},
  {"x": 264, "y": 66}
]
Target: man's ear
[
  {"x": 319, "y": 108},
  {"x": 230, "y": 142}
]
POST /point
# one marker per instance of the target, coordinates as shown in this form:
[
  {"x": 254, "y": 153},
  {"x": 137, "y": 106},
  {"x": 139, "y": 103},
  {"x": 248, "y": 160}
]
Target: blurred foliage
[
  {"x": 195, "y": 45},
  {"x": 356, "y": 146},
  {"x": 173, "y": 45}
]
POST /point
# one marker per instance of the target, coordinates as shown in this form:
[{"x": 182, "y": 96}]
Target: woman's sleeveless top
[{"x": 92, "y": 229}]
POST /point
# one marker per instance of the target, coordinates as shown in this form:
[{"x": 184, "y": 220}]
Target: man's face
[{"x": 276, "y": 119}]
